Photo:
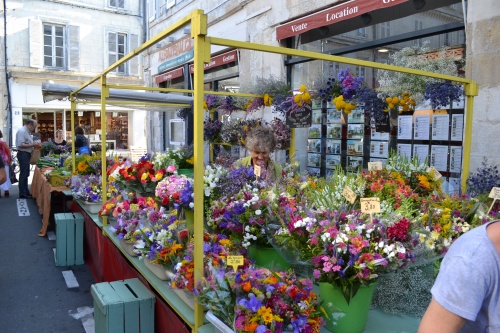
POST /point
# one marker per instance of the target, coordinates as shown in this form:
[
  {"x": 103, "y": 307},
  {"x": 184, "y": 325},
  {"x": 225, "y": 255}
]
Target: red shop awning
[
  {"x": 333, "y": 15},
  {"x": 169, "y": 75}
]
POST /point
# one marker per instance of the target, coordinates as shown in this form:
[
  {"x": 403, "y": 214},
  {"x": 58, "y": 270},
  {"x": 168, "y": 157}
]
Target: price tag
[
  {"x": 256, "y": 170},
  {"x": 97, "y": 114},
  {"x": 374, "y": 166},
  {"x": 235, "y": 261},
  {"x": 495, "y": 193},
  {"x": 370, "y": 205},
  {"x": 349, "y": 194},
  {"x": 80, "y": 113},
  {"x": 432, "y": 170}
]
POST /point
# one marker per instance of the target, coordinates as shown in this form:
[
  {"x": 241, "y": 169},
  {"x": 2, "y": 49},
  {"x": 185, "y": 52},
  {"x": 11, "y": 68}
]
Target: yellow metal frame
[{"x": 202, "y": 45}]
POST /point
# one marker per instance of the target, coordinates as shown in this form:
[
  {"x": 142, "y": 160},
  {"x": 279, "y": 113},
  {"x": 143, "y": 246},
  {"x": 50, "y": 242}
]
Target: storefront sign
[
  {"x": 219, "y": 60},
  {"x": 169, "y": 75},
  {"x": 333, "y": 15},
  {"x": 300, "y": 118},
  {"x": 175, "y": 54}
]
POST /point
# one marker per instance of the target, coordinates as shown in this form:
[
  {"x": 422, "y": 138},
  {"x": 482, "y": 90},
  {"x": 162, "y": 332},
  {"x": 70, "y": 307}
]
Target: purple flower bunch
[
  {"x": 212, "y": 130},
  {"x": 442, "y": 94},
  {"x": 349, "y": 83},
  {"x": 282, "y": 133},
  {"x": 86, "y": 188},
  {"x": 186, "y": 196},
  {"x": 483, "y": 180},
  {"x": 330, "y": 90},
  {"x": 146, "y": 157}
]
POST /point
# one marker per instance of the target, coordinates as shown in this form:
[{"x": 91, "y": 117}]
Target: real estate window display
[{"x": 438, "y": 28}]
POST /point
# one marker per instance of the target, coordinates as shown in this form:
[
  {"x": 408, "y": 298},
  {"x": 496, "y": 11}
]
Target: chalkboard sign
[{"x": 300, "y": 118}]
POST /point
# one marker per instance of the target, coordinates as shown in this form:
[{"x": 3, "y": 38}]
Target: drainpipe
[{"x": 7, "y": 84}]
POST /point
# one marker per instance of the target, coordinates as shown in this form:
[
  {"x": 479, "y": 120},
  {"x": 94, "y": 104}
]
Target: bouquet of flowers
[
  {"x": 86, "y": 188},
  {"x": 212, "y": 130},
  {"x": 282, "y": 133},
  {"x": 182, "y": 158},
  {"x": 354, "y": 251},
  {"x": 128, "y": 229},
  {"x": 169, "y": 189},
  {"x": 292, "y": 305},
  {"x": 140, "y": 177},
  {"x": 85, "y": 164}
]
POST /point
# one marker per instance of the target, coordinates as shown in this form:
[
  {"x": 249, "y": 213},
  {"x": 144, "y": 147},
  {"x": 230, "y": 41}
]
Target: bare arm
[
  {"x": 439, "y": 320},
  {"x": 3, "y": 175}
]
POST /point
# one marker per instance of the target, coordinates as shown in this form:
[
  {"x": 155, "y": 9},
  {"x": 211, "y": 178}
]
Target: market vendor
[{"x": 261, "y": 142}]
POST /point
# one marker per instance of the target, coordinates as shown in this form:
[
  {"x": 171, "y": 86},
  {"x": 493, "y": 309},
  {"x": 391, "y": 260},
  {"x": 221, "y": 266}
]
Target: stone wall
[{"x": 483, "y": 59}]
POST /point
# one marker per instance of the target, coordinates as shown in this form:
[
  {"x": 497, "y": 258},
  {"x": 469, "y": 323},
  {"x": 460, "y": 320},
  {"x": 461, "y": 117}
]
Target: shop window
[
  {"x": 117, "y": 3},
  {"x": 361, "y": 32}
]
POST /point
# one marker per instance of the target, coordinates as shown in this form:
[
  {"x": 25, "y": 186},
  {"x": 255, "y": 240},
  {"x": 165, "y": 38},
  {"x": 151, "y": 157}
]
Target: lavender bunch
[
  {"x": 481, "y": 182},
  {"x": 236, "y": 179},
  {"x": 348, "y": 83},
  {"x": 212, "y": 130},
  {"x": 282, "y": 133},
  {"x": 442, "y": 94},
  {"x": 373, "y": 105}
]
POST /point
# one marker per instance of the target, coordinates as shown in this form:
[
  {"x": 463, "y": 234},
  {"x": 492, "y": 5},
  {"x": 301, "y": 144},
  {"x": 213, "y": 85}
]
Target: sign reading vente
[{"x": 333, "y": 15}]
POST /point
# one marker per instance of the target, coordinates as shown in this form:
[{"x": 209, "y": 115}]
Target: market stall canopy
[{"x": 153, "y": 101}]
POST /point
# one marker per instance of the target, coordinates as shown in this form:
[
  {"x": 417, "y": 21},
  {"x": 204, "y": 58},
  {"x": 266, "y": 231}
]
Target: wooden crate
[
  {"x": 57, "y": 180},
  {"x": 69, "y": 239},
  {"x": 123, "y": 307}
]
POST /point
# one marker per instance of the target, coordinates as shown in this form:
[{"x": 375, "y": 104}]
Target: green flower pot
[
  {"x": 267, "y": 257},
  {"x": 186, "y": 172},
  {"x": 344, "y": 317}
]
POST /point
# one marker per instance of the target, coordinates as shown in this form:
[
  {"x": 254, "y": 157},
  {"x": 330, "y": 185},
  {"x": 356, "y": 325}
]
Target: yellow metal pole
[
  {"x": 471, "y": 90},
  {"x": 104, "y": 95},
  {"x": 201, "y": 55},
  {"x": 72, "y": 116}
]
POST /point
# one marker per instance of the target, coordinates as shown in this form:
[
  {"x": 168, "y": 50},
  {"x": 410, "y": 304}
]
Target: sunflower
[{"x": 82, "y": 167}]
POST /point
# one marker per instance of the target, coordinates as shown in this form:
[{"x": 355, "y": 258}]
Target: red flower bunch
[
  {"x": 141, "y": 177},
  {"x": 399, "y": 231}
]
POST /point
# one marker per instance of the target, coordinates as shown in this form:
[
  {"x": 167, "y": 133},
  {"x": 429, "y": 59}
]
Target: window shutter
[
  {"x": 36, "y": 43},
  {"x": 74, "y": 47},
  {"x": 151, "y": 9},
  {"x": 134, "y": 62}
]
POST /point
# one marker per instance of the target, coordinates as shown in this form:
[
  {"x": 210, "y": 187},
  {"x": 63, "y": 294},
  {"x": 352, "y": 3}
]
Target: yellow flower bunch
[
  {"x": 303, "y": 96},
  {"x": 342, "y": 105},
  {"x": 268, "y": 100},
  {"x": 404, "y": 103}
]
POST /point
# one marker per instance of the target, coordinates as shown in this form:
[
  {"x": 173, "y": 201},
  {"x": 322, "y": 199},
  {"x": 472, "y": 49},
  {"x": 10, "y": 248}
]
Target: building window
[
  {"x": 117, "y": 48},
  {"x": 54, "y": 46},
  {"x": 117, "y": 3},
  {"x": 361, "y": 32},
  {"x": 385, "y": 29},
  {"x": 418, "y": 26}
]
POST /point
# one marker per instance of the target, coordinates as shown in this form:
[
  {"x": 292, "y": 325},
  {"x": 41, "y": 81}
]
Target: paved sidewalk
[{"x": 34, "y": 295}]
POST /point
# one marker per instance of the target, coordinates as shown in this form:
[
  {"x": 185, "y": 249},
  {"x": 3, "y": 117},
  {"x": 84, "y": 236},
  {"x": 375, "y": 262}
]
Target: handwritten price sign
[
  {"x": 374, "y": 166},
  {"x": 370, "y": 205},
  {"x": 432, "y": 170},
  {"x": 256, "y": 170},
  {"x": 235, "y": 261},
  {"x": 495, "y": 193},
  {"x": 349, "y": 194}
]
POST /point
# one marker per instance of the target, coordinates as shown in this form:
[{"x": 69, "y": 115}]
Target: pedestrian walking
[
  {"x": 25, "y": 145},
  {"x": 7, "y": 160}
]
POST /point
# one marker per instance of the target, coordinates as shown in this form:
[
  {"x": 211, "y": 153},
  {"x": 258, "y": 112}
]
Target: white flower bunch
[
  {"x": 211, "y": 178},
  {"x": 247, "y": 237},
  {"x": 161, "y": 160},
  {"x": 403, "y": 164}
]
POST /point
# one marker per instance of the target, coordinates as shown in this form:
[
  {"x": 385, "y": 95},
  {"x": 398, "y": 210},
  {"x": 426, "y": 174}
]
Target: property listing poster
[
  {"x": 421, "y": 127},
  {"x": 457, "y": 127},
  {"x": 439, "y": 157},
  {"x": 440, "y": 126},
  {"x": 405, "y": 127},
  {"x": 404, "y": 149},
  {"x": 456, "y": 159},
  {"x": 421, "y": 152}
]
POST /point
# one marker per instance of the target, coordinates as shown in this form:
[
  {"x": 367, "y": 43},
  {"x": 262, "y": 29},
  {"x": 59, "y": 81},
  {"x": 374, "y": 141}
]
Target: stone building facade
[
  {"x": 69, "y": 42},
  {"x": 457, "y": 24}
]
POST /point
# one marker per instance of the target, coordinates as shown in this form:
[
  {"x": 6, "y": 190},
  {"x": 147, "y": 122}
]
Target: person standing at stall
[
  {"x": 25, "y": 145},
  {"x": 6, "y": 157},
  {"x": 3, "y": 174},
  {"x": 59, "y": 140},
  {"x": 81, "y": 142},
  {"x": 261, "y": 142}
]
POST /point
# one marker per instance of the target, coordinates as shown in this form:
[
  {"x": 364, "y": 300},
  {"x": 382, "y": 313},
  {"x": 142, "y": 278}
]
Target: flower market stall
[{"x": 194, "y": 238}]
